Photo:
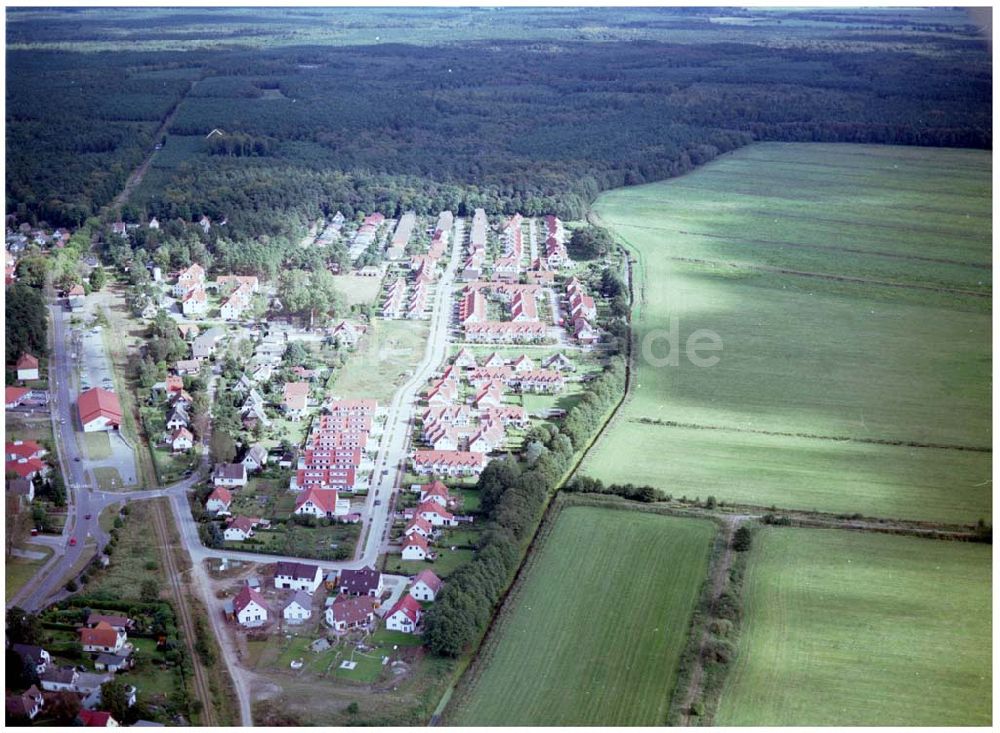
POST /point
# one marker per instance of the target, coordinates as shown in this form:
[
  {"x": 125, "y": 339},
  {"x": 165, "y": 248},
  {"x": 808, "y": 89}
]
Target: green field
[
  {"x": 844, "y": 629},
  {"x": 748, "y": 247},
  {"x": 594, "y": 634},
  {"x": 385, "y": 358}
]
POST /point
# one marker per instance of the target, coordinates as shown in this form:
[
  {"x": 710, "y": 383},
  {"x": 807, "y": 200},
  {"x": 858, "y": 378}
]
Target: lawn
[
  {"x": 748, "y": 248},
  {"x": 358, "y": 290},
  {"x": 594, "y": 633},
  {"x": 853, "y": 629},
  {"x": 19, "y": 570},
  {"x": 107, "y": 478},
  {"x": 97, "y": 446},
  {"x": 386, "y": 356},
  {"x": 447, "y": 562}
]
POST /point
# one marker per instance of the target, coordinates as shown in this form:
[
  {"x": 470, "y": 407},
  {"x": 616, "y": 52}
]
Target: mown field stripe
[
  {"x": 827, "y": 276},
  {"x": 834, "y": 438}
]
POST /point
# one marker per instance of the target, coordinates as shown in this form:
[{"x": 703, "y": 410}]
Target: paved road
[
  {"x": 391, "y": 455},
  {"x": 85, "y": 501}
]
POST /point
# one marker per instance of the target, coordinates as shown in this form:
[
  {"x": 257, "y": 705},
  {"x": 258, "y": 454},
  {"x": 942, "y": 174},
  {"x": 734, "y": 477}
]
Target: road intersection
[{"x": 86, "y": 503}]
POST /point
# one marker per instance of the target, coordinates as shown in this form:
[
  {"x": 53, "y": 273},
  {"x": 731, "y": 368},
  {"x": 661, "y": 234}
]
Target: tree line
[{"x": 513, "y": 491}]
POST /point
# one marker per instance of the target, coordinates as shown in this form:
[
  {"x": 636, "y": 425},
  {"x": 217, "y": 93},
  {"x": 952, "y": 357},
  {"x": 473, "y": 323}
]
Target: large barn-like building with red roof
[{"x": 99, "y": 410}]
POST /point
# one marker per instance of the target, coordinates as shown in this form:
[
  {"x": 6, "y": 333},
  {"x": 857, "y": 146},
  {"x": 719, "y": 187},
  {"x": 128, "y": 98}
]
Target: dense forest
[{"x": 504, "y": 124}]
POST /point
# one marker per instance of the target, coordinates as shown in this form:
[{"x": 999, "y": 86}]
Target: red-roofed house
[
  {"x": 321, "y": 503},
  {"x": 426, "y": 586},
  {"x": 15, "y": 396},
  {"x": 23, "y": 449},
  {"x": 436, "y": 492},
  {"x": 295, "y": 399},
  {"x": 97, "y": 719},
  {"x": 415, "y": 548},
  {"x": 99, "y": 410},
  {"x": 102, "y": 638},
  {"x": 404, "y": 616},
  {"x": 181, "y": 440},
  {"x": 194, "y": 302},
  {"x": 219, "y": 500},
  {"x": 249, "y": 607},
  {"x": 241, "y": 528},
  {"x": 448, "y": 463},
  {"x": 434, "y": 513},
  {"x": 27, "y": 367},
  {"x": 420, "y": 526}
]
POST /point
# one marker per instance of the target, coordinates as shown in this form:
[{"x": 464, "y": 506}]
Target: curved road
[{"x": 85, "y": 504}]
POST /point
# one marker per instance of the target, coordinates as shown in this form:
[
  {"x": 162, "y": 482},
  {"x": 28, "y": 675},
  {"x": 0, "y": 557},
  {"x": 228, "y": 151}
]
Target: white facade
[
  {"x": 253, "y": 614},
  {"x": 422, "y": 592},
  {"x": 295, "y": 613},
  {"x": 399, "y": 621}
]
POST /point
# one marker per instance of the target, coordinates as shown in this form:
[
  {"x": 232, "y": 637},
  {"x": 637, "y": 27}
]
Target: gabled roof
[
  {"x": 27, "y": 361},
  {"x": 409, "y": 607},
  {"x": 245, "y": 596},
  {"x": 418, "y": 522},
  {"x": 428, "y": 578},
  {"x": 15, "y": 394},
  {"x": 95, "y": 718},
  {"x": 361, "y": 580},
  {"x": 325, "y": 499},
  {"x": 415, "y": 540},
  {"x": 221, "y": 493},
  {"x": 115, "y": 621},
  {"x": 302, "y": 598},
  {"x": 97, "y": 402},
  {"x": 434, "y": 488},
  {"x": 434, "y": 507},
  {"x": 103, "y": 634},
  {"x": 351, "y": 610},
  {"x": 296, "y": 570}
]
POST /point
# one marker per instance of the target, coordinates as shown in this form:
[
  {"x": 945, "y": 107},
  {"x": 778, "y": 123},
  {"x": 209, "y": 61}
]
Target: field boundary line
[
  {"x": 747, "y": 266},
  {"x": 814, "y": 246},
  {"x": 812, "y": 436}
]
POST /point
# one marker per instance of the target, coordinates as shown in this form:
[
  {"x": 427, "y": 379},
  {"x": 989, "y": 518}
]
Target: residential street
[{"x": 84, "y": 500}]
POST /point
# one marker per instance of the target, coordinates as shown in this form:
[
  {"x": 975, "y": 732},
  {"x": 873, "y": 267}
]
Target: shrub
[{"x": 742, "y": 539}]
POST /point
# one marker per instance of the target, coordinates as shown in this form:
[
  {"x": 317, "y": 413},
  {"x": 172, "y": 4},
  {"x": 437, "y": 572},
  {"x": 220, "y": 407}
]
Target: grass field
[
  {"x": 748, "y": 247},
  {"x": 388, "y": 353},
  {"x": 96, "y": 445},
  {"x": 358, "y": 290},
  {"x": 860, "y": 629},
  {"x": 595, "y": 632},
  {"x": 19, "y": 570}
]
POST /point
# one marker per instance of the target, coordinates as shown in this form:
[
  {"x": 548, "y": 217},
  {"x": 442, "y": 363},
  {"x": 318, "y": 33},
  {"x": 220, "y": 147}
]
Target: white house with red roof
[
  {"x": 16, "y": 396},
  {"x": 192, "y": 277},
  {"x": 194, "y": 302},
  {"x": 437, "y": 492},
  {"x": 426, "y": 586},
  {"x": 448, "y": 463},
  {"x": 321, "y": 503},
  {"x": 465, "y": 359},
  {"x": 250, "y": 608},
  {"x": 99, "y": 410},
  {"x": 436, "y": 514},
  {"x": 415, "y": 548},
  {"x": 419, "y": 526},
  {"x": 27, "y": 367},
  {"x": 181, "y": 440},
  {"x": 219, "y": 500},
  {"x": 405, "y": 615},
  {"x": 295, "y": 399},
  {"x": 490, "y": 395},
  {"x": 239, "y": 529}
]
